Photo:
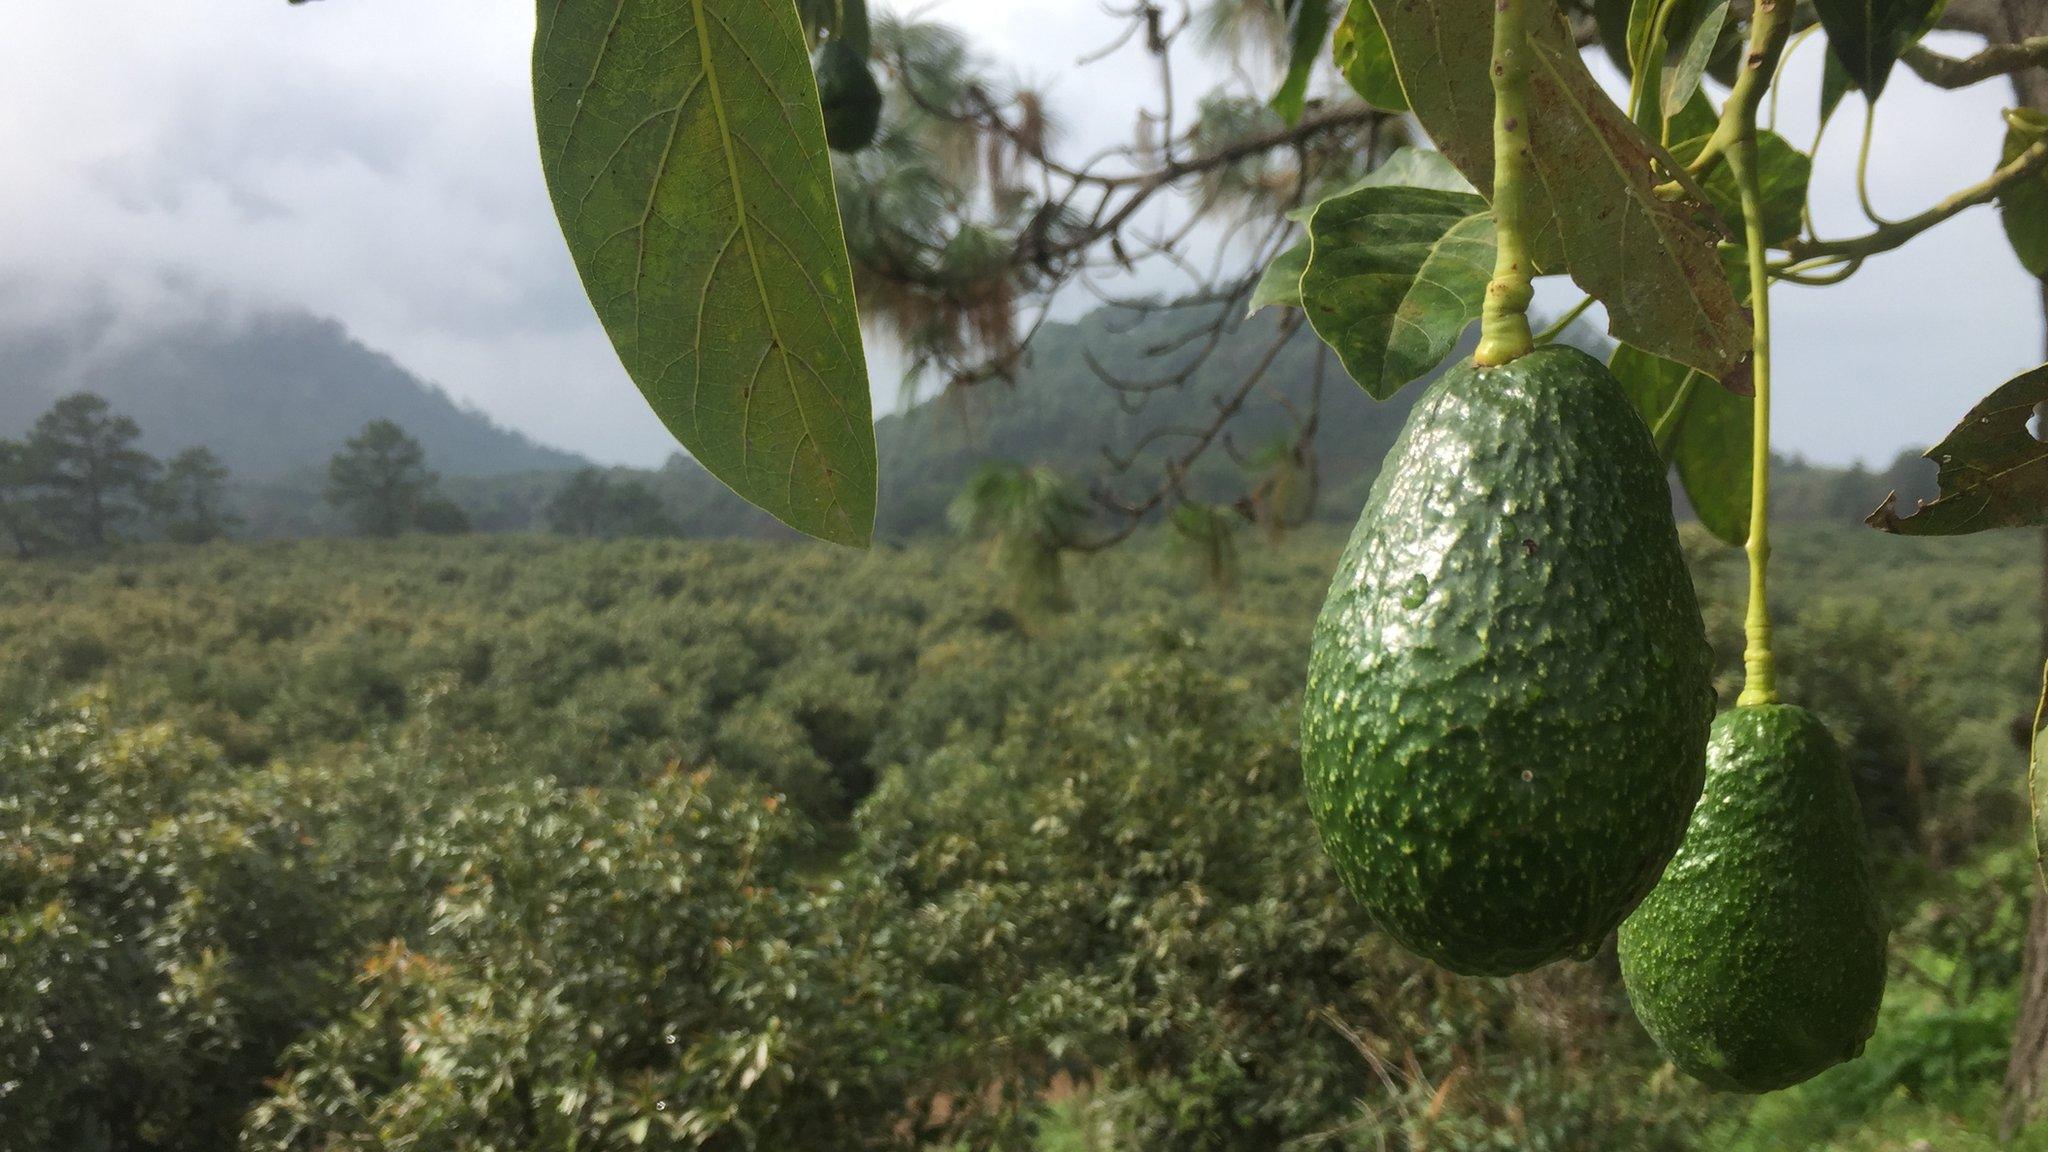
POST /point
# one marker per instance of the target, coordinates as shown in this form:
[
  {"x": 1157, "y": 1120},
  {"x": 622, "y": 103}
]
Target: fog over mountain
[{"x": 271, "y": 392}]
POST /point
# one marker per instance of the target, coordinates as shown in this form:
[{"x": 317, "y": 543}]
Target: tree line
[{"x": 79, "y": 481}]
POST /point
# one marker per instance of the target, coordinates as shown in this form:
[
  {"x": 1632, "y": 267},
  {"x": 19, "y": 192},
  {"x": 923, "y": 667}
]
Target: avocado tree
[
  {"x": 1030, "y": 519},
  {"x": 723, "y": 245},
  {"x": 695, "y": 185}
]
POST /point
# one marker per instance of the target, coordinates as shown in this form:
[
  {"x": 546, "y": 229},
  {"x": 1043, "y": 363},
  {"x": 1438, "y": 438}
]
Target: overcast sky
[{"x": 373, "y": 160}]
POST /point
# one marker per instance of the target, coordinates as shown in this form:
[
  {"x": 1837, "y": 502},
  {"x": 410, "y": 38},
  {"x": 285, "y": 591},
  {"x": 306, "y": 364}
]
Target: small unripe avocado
[
  {"x": 849, "y": 96},
  {"x": 1759, "y": 959},
  {"x": 1509, "y": 685}
]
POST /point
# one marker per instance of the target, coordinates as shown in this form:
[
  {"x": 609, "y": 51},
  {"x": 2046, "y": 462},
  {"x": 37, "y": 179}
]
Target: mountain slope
[
  {"x": 1059, "y": 412},
  {"x": 272, "y": 394}
]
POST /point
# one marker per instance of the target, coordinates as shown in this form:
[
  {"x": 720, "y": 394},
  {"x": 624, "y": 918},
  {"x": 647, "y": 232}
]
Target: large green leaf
[
  {"x": 685, "y": 153},
  {"x": 1359, "y": 46},
  {"x": 1280, "y": 283},
  {"x": 1611, "y": 18},
  {"x": 1418, "y": 168},
  {"x": 1394, "y": 275},
  {"x": 1682, "y": 80},
  {"x": 1868, "y": 35},
  {"x": 1834, "y": 84},
  {"x": 1993, "y": 472},
  {"x": 2023, "y": 207},
  {"x": 1705, "y": 431},
  {"x": 1308, "y": 25},
  {"x": 1645, "y": 257},
  {"x": 1782, "y": 170}
]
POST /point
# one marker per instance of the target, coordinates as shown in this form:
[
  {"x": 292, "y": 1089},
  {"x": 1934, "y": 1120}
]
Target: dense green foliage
[
  {"x": 1759, "y": 960},
  {"x": 474, "y": 843},
  {"x": 1508, "y": 694}
]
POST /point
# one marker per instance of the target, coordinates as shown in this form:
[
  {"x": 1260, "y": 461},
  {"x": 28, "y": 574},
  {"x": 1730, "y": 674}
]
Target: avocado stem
[
  {"x": 1504, "y": 317},
  {"x": 852, "y": 28},
  {"x": 1767, "y": 41},
  {"x": 1759, "y": 682}
]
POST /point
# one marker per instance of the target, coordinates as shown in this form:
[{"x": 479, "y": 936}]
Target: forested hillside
[{"x": 275, "y": 396}]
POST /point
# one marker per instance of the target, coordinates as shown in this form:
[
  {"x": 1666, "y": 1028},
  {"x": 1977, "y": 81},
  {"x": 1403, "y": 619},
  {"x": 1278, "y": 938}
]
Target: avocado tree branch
[
  {"x": 1962, "y": 71},
  {"x": 2028, "y": 164},
  {"x": 1504, "y": 333},
  {"x": 1770, "y": 27}
]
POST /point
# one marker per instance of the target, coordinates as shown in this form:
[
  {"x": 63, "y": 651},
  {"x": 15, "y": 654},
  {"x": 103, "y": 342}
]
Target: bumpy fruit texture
[
  {"x": 1759, "y": 960},
  {"x": 851, "y": 99},
  {"x": 1509, "y": 688}
]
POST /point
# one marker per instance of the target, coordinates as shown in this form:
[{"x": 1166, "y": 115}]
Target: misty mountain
[{"x": 272, "y": 394}]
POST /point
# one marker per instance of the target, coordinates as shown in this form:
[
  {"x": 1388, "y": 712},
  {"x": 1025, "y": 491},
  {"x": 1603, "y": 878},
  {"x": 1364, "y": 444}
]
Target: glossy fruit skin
[
  {"x": 849, "y": 96},
  {"x": 1509, "y": 685},
  {"x": 1759, "y": 961}
]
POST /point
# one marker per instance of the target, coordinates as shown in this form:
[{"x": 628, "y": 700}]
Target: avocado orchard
[{"x": 693, "y": 180}]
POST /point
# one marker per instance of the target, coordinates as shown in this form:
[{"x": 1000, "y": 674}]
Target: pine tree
[
  {"x": 89, "y": 476},
  {"x": 195, "y": 496},
  {"x": 380, "y": 479}
]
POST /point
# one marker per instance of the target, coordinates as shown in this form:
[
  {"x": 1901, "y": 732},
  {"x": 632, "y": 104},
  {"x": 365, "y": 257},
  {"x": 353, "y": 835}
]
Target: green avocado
[
  {"x": 1509, "y": 685},
  {"x": 851, "y": 99},
  {"x": 1759, "y": 959}
]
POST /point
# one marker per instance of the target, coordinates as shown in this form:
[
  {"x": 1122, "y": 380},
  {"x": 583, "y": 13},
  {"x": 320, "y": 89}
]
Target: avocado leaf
[
  {"x": 1704, "y": 431},
  {"x": 1834, "y": 84},
  {"x": 1868, "y": 35},
  {"x": 685, "y": 154},
  {"x": 1683, "y": 78},
  {"x": 1782, "y": 170},
  {"x": 1992, "y": 473},
  {"x": 2023, "y": 207},
  {"x": 1280, "y": 283},
  {"x": 1647, "y": 258},
  {"x": 1308, "y": 25},
  {"x": 1395, "y": 274},
  {"x": 1359, "y": 47}
]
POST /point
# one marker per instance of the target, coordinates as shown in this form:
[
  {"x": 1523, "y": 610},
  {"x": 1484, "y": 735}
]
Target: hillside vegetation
[{"x": 515, "y": 842}]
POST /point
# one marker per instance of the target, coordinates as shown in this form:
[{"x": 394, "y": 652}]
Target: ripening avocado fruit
[
  {"x": 1509, "y": 685},
  {"x": 1759, "y": 959},
  {"x": 849, "y": 96}
]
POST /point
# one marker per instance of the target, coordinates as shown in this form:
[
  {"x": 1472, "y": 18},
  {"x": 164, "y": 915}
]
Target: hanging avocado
[
  {"x": 847, "y": 91},
  {"x": 851, "y": 99},
  {"x": 1508, "y": 694},
  {"x": 1759, "y": 960}
]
